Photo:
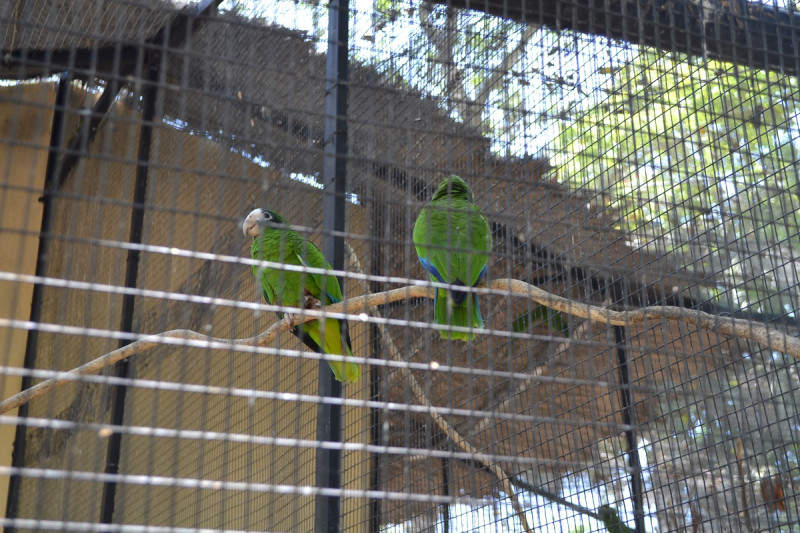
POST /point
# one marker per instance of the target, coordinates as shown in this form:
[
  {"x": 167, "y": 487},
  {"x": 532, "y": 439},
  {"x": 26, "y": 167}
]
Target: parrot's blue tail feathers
[
  {"x": 428, "y": 265},
  {"x": 483, "y": 273}
]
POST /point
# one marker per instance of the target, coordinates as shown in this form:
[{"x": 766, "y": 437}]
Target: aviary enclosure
[{"x": 636, "y": 161}]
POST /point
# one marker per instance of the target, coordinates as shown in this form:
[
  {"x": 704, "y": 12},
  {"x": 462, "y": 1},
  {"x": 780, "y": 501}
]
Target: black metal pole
[
  {"x": 52, "y": 171},
  {"x": 88, "y": 129},
  {"x": 634, "y": 467},
  {"x": 446, "y": 492},
  {"x": 334, "y": 179},
  {"x": 377, "y": 217},
  {"x": 121, "y": 369}
]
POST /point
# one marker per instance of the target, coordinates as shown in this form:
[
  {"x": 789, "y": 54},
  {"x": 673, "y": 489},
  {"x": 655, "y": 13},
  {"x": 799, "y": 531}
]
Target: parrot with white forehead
[{"x": 276, "y": 242}]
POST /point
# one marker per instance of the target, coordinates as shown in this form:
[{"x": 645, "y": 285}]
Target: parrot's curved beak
[{"x": 250, "y": 225}]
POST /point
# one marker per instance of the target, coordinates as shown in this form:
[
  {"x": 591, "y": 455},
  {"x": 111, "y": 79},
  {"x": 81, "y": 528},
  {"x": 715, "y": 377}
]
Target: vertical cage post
[
  {"x": 121, "y": 369},
  {"x": 334, "y": 179},
  {"x": 634, "y": 467},
  {"x": 51, "y": 184},
  {"x": 446, "y": 491},
  {"x": 377, "y": 215}
]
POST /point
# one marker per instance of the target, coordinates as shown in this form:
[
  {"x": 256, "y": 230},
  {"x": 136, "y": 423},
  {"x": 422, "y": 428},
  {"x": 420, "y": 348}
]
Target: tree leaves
[{"x": 687, "y": 149}]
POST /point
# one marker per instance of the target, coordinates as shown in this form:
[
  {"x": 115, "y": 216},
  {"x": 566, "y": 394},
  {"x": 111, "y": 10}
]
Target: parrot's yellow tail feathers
[
  {"x": 352, "y": 373},
  {"x": 345, "y": 372}
]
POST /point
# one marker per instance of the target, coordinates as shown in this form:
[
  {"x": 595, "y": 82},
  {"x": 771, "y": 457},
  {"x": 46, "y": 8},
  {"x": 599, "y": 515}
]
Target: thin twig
[
  {"x": 744, "y": 329},
  {"x": 498, "y": 73},
  {"x": 732, "y": 327},
  {"x": 142, "y": 345},
  {"x": 467, "y": 446},
  {"x": 523, "y": 385},
  {"x": 740, "y": 466}
]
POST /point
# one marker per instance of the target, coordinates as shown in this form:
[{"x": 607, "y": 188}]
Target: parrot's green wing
[
  {"x": 311, "y": 257},
  {"x": 480, "y": 243},
  {"x": 460, "y": 242},
  {"x": 336, "y": 332},
  {"x": 267, "y": 292},
  {"x": 266, "y": 288}
]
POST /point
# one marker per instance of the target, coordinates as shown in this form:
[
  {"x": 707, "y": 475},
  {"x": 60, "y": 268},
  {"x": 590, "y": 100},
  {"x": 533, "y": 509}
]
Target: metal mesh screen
[{"x": 637, "y": 165}]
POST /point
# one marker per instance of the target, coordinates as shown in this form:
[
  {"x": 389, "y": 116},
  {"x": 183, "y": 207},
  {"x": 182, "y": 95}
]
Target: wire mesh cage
[{"x": 211, "y": 210}]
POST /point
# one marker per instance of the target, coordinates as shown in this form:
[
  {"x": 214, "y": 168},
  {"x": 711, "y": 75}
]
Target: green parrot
[
  {"x": 274, "y": 241},
  {"x": 453, "y": 242}
]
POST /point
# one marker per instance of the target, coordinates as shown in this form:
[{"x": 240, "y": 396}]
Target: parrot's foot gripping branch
[{"x": 309, "y": 302}]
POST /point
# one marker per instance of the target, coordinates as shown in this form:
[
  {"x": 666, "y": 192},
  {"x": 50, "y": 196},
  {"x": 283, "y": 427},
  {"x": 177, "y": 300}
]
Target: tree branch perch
[{"x": 744, "y": 329}]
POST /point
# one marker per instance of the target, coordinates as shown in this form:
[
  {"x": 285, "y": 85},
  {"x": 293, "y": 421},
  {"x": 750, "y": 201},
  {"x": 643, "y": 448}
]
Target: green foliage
[
  {"x": 694, "y": 156},
  {"x": 691, "y": 156},
  {"x": 389, "y": 9}
]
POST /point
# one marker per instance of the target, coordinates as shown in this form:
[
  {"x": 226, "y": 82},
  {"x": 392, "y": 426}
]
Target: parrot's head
[
  {"x": 455, "y": 187},
  {"x": 260, "y": 219}
]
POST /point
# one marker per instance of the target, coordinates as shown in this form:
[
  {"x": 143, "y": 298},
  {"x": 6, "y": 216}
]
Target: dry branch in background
[{"x": 470, "y": 110}]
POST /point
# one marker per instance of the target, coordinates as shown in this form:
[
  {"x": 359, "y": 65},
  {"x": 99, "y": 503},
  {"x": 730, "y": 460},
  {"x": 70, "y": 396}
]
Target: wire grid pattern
[
  {"x": 612, "y": 174},
  {"x": 59, "y": 24}
]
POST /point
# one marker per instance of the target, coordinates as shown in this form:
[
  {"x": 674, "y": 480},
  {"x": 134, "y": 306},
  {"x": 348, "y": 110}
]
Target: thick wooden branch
[
  {"x": 766, "y": 336},
  {"x": 499, "y": 72},
  {"x": 441, "y": 40}
]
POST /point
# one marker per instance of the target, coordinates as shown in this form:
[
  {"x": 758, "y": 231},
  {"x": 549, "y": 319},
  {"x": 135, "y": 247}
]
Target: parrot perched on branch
[
  {"x": 274, "y": 241},
  {"x": 453, "y": 242}
]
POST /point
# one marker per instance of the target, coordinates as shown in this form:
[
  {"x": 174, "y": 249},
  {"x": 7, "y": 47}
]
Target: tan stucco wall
[
  {"x": 196, "y": 192},
  {"x": 25, "y": 123}
]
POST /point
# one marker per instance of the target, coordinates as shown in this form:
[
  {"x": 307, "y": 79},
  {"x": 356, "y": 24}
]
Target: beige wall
[
  {"x": 24, "y": 139},
  {"x": 196, "y": 192}
]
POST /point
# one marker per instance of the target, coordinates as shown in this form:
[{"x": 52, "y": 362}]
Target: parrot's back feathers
[
  {"x": 331, "y": 287},
  {"x": 453, "y": 242}
]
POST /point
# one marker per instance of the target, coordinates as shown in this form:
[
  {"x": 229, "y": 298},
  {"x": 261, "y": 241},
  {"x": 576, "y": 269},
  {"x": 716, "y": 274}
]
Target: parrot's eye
[{"x": 267, "y": 215}]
